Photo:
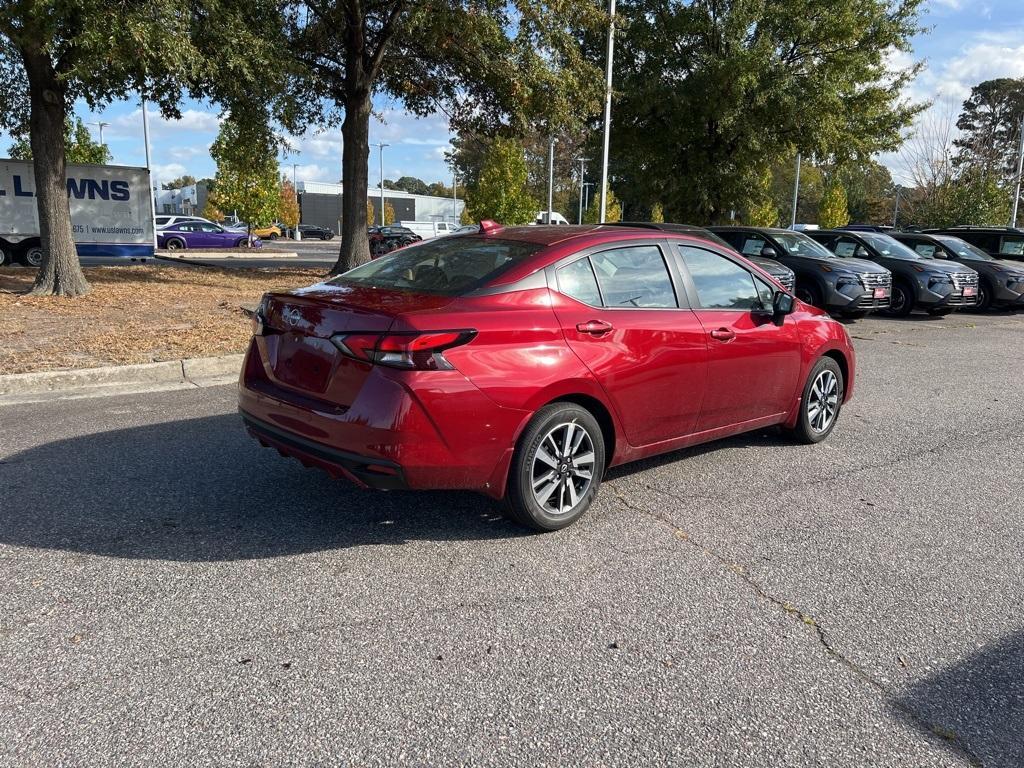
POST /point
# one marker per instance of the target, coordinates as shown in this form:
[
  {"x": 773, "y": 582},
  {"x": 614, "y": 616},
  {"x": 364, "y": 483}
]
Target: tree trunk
[
  {"x": 355, "y": 131},
  {"x": 60, "y": 274}
]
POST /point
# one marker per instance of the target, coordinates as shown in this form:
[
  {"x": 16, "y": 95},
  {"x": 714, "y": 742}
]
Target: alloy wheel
[
  {"x": 823, "y": 401},
  {"x": 562, "y": 469}
]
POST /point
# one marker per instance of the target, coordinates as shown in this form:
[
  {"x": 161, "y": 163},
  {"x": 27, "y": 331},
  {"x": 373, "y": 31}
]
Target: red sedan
[{"x": 523, "y": 362}]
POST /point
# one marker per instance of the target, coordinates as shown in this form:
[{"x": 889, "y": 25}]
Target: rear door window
[
  {"x": 634, "y": 276},
  {"x": 720, "y": 282},
  {"x": 577, "y": 281},
  {"x": 1012, "y": 246},
  {"x": 845, "y": 247}
]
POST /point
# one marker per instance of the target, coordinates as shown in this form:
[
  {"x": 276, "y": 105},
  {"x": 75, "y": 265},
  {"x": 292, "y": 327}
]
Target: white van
[
  {"x": 429, "y": 229},
  {"x": 557, "y": 219}
]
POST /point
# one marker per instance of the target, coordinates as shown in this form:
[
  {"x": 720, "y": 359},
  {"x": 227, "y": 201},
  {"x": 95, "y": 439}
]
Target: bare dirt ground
[{"x": 136, "y": 314}]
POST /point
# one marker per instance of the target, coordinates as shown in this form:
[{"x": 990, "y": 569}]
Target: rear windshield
[{"x": 445, "y": 266}]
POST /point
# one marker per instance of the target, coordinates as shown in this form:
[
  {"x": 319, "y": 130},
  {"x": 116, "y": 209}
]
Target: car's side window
[
  {"x": 765, "y": 293},
  {"x": 924, "y": 248},
  {"x": 720, "y": 282},
  {"x": 210, "y": 228},
  {"x": 752, "y": 246},
  {"x": 1012, "y": 246},
  {"x": 578, "y": 282},
  {"x": 845, "y": 247},
  {"x": 634, "y": 276}
]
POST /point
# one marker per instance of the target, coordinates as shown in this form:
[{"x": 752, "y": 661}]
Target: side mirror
[
  {"x": 861, "y": 253},
  {"x": 769, "y": 253},
  {"x": 782, "y": 304}
]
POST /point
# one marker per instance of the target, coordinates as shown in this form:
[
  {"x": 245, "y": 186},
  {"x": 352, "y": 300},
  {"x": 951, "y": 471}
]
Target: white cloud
[
  {"x": 310, "y": 172},
  {"x": 167, "y": 171},
  {"x": 191, "y": 120}
]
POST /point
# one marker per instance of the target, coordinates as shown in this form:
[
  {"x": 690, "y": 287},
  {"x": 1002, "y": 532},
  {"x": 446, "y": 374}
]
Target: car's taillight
[{"x": 415, "y": 351}]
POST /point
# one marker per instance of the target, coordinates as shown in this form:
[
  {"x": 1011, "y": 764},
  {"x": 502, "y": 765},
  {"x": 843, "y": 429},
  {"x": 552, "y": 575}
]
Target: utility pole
[
  {"x": 1020, "y": 172},
  {"x": 796, "y": 191},
  {"x": 381, "y": 145},
  {"x": 551, "y": 176},
  {"x": 296, "y": 235},
  {"x": 455, "y": 197},
  {"x": 896, "y": 208},
  {"x": 583, "y": 173},
  {"x": 607, "y": 107},
  {"x": 586, "y": 195}
]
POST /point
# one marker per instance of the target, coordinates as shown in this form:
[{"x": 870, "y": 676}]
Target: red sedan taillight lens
[{"x": 414, "y": 351}]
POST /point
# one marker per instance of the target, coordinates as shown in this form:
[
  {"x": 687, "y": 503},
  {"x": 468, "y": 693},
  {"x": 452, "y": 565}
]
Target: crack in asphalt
[{"x": 946, "y": 738}]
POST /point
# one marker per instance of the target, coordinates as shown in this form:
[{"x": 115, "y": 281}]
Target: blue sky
[{"x": 968, "y": 41}]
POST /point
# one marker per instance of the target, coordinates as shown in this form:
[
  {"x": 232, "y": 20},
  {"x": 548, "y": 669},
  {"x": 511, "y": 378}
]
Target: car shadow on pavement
[
  {"x": 203, "y": 490},
  {"x": 979, "y": 703}
]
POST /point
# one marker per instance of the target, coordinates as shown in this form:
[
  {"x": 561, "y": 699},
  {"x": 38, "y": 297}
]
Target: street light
[
  {"x": 145, "y": 139},
  {"x": 381, "y": 145},
  {"x": 101, "y": 126},
  {"x": 796, "y": 192},
  {"x": 896, "y": 207},
  {"x": 551, "y": 176},
  {"x": 1020, "y": 171},
  {"x": 607, "y": 106}
]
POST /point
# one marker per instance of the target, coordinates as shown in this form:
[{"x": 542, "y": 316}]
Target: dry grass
[{"x": 136, "y": 314}]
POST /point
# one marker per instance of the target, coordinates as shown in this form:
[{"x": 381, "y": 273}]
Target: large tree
[
  {"x": 484, "y": 63},
  {"x": 53, "y": 52},
  {"x": 989, "y": 125},
  {"x": 78, "y": 145},
  {"x": 246, "y": 182},
  {"x": 712, "y": 92},
  {"x": 500, "y": 192}
]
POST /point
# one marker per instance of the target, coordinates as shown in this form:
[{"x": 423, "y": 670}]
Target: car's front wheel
[
  {"x": 557, "y": 467},
  {"x": 272, "y": 236},
  {"x": 821, "y": 402},
  {"x": 902, "y": 303}
]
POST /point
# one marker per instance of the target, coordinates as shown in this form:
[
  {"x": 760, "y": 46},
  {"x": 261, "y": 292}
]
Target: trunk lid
[{"x": 300, "y": 325}]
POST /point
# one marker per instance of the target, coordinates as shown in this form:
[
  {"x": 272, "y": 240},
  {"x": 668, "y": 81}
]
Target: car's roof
[
  {"x": 973, "y": 228},
  {"x": 752, "y": 228}
]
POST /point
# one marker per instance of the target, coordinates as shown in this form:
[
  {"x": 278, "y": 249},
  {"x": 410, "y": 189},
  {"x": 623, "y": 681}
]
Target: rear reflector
[{"x": 414, "y": 351}]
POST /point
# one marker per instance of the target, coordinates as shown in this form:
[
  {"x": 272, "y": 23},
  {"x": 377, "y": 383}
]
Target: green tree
[
  {"x": 53, "y": 52},
  {"x": 389, "y": 214},
  {"x": 487, "y": 63},
  {"x": 657, "y": 213},
  {"x": 612, "y": 212},
  {"x": 179, "y": 183},
  {"x": 247, "y": 182},
  {"x": 833, "y": 212},
  {"x": 989, "y": 125},
  {"x": 870, "y": 194},
  {"x": 715, "y": 91},
  {"x": 409, "y": 184},
  {"x": 78, "y": 145},
  {"x": 500, "y": 191},
  {"x": 288, "y": 204}
]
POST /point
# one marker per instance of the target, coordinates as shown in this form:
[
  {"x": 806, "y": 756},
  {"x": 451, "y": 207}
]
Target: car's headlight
[{"x": 940, "y": 278}]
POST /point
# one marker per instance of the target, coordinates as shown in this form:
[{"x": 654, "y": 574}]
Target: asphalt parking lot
[{"x": 175, "y": 594}]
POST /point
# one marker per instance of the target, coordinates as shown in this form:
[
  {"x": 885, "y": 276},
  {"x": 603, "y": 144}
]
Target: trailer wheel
[
  {"x": 33, "y": 256},
  {"x": 5, "y": 258}
]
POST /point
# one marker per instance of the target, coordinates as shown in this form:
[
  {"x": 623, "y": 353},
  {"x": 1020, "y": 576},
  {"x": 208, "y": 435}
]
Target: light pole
[
  {"x": 896, "y": 207},
  {"x": 583, "y": 172},
  {"x": 607, "y": 106},
  {"x": 1020, "y": 171},
  {"x": 796, "y": 192},
  {"x": 586, "y": 195},
  {"x": 101, "y": 125},
  {"x": 381, "y": 145},
  {"x": 296, "y": 234},
  {"x": 455, "y": 197},
  {"x": 551, "y": 176},
  {"x": 145, "y": 139}
]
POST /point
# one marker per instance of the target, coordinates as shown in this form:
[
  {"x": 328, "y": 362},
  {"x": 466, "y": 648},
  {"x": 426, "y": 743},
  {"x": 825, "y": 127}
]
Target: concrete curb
[{"x": 75, "y": 384}]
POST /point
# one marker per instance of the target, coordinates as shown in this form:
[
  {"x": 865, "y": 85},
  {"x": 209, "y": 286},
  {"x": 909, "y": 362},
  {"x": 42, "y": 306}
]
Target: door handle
[
  {"x": 594, "y": 327},
  {"x": 723, "y": 334}
]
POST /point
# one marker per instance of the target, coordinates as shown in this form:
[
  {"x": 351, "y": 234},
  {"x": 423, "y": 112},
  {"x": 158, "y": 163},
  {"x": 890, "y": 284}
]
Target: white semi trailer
[{"x": 111, "y": 211}]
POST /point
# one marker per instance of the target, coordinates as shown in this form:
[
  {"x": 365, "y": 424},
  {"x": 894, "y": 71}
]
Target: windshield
[
  {"x": 889, "y": 247},
  {"x": 445, "y": 266},
  {"x": 798, "y": 244},
  {"x": 963, "y": 249}
]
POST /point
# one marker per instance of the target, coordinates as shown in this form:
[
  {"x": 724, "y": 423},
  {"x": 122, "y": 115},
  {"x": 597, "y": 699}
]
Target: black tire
[
  {"x": 272, "y": 236},
  {"x": 379, "y": 248},
  {"x": 808, "y": 293},
  {"x": 175, "y": 244},
  {"x": 985, "y": 294},
  {"x": 32, "y": 256},
  {"x": 5, "y": 258},
  {"x": 902, "y": 300},
  {"x": 327, "y": 236},
  {"x": 242, "y": 242},
  {"x": 808, "y": 428},
  {"x": 547, "y": 432}
]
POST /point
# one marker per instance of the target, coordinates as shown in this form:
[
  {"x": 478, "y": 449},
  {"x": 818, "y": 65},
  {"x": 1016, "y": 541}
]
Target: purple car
[{"x": 202, "y": 234}]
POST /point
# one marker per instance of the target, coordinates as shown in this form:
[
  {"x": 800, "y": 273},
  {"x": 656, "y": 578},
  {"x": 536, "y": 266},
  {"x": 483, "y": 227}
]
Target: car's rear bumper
[{"x": 405, "y": 429}]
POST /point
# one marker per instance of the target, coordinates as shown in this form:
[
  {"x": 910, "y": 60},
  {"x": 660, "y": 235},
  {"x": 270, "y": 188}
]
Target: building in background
[
  {"x": 187, "y": 201},
  {"x": 320, "y": 204}
]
